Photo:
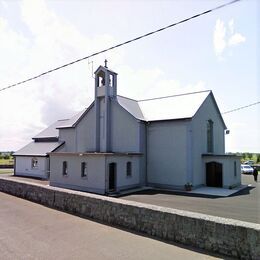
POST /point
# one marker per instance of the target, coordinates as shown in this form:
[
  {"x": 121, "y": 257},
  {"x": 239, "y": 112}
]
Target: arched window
[{"x": 210, "y": 137}]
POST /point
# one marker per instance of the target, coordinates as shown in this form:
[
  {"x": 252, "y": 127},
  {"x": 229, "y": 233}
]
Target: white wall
[
  {"x": 167, "y": 156},
  {"x": 23, "y": 167},
  {"x": 199, "y": 137}
]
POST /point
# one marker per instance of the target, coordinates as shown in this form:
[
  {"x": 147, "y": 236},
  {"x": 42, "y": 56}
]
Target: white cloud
[
  {"x": 225, "y": 40},
  {"x": 219, "y": 37},
  {"x": 236, "y": 39},
  {"x": 231, "y": 26},
  {"x": 52, "y": 41},
  {"x": 47, "y": 41}
]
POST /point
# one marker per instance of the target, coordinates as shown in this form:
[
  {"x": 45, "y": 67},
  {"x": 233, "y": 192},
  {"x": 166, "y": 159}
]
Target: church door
[
  {"x": 112, "y": 177},
  {"x": 214, "y": 174}
]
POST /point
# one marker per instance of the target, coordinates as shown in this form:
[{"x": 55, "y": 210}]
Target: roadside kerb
[{"x": 220, "y": 235}]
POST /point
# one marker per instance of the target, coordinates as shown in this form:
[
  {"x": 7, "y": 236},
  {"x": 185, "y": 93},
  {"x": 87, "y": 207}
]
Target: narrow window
[
  {"x": 210, "y": 139},
  {"x": 128, "y": 169},
  {"x": 34, "y": 163},
  {"x": 64, "y": 168},
  {"x": 84, "y": 170},
  {"x": 235, "y": 168}
]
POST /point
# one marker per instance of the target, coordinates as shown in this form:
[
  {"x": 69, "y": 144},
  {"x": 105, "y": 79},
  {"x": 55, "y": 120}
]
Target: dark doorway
[
  {"x": 214, "y": 174},
  {"x": 112, "y": 177}
]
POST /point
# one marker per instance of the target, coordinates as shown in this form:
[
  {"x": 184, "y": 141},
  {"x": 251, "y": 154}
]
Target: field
[
  {"x": 5, "y": 171},
  {"x": 6, "y": 161}
]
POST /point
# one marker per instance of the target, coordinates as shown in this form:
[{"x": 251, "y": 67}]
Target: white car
[{"x": 247, "y": 169}]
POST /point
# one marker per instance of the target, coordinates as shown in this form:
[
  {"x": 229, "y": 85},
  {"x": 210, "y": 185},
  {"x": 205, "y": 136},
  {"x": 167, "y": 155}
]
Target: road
[
  {"x": 244, "y": 205},
  {"x": 31, "y": 231}
]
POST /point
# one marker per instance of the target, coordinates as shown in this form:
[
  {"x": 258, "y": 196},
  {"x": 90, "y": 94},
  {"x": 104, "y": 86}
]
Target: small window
[
  {"x": 64, "y": 168},
  {"x": 235, "y": 168},
  {"x": 128, "y": 169},
  {"x": 34, "y": 163},
  {"x": 84, "y": 173},
  {"x": 210, "y": 137}
]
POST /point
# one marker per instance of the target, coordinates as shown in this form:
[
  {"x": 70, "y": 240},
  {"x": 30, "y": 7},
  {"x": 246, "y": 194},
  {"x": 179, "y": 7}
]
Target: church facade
[{"x": 119, "y": 143}]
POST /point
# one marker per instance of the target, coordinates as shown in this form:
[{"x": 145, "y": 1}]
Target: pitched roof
[
  {"x": 51, "y": 131},
  {"x": 73, "y": 121},
  {"x": 165, "y": 108},
  {"x": 38, "y": 148}
]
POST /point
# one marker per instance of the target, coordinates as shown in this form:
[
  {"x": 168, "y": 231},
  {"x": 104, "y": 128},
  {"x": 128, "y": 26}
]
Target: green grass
[
  {"x": 6, "y": 161},
  {"x": 5, "y": 171}
]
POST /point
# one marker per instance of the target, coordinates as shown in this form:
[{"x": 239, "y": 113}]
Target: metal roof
[
  {"x": 72, "y": 122},
  {"x": 165, "y": 108},
  {"x": 38, "y": 148},
  {"x": 51, "y": 131}
]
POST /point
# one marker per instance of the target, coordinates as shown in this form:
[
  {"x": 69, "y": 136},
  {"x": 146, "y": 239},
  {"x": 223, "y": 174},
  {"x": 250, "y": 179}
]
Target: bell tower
[{"x": 105, "y": 91}]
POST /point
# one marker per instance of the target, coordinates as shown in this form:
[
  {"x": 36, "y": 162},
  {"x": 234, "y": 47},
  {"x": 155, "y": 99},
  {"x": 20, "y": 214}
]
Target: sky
[{"x": 218, "y": 51}]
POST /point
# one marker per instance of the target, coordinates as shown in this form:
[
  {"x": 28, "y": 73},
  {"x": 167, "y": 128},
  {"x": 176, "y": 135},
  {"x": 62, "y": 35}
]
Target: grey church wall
[
  {"x": 206, "y": 112},
  {"x": 230, "y": 167},
  {"x": 23, "y": 166},
  {"x": 93, "y": 182},
  {"x": 69, "y": 136},
  {"x": 125, "y": 130},
  {"x": 218, "y": 235},
  {"x": 166, "y": 153},
  {"x": 85, "y": 132},
  {"x": 122, "y": 180}
]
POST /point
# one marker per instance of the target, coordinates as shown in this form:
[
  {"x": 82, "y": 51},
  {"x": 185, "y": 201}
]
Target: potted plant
[{"x": 188, "y": 186}]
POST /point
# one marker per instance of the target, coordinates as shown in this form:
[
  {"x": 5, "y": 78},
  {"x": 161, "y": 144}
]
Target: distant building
[{"x": 119, "y": 143}]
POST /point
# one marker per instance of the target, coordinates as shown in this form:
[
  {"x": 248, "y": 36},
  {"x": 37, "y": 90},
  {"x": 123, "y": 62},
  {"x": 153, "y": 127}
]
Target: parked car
[
  {"x": 249, "y": 162},
  {"x": 247, "y": 169}
]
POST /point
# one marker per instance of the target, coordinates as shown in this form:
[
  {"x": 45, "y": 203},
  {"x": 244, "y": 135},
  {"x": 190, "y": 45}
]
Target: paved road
[
  {"x": 31, "y": 231},
  {"x": 244, "y": 205}
]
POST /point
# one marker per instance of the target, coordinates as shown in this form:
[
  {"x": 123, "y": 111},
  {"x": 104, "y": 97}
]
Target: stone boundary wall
[{"x": 225, "y": 236}]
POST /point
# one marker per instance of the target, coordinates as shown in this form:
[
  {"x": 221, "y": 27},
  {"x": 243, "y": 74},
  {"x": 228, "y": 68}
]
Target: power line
[
  {"x": 239, "y": 108},
  {"x": 120, "y": 44}
]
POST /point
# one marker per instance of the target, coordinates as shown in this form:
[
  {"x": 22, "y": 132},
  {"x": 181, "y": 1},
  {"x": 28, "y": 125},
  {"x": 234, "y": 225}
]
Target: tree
[
  {"x": 258, "y": 158},
  {"x": 250, "y": 156},
  {"x": 6, "y": 156}
]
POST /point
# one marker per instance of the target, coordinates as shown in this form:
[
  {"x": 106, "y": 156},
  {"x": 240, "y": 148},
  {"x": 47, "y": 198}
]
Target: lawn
[
  {"x": 6, "y": 161},
  {"x": 5, "y": 171}
]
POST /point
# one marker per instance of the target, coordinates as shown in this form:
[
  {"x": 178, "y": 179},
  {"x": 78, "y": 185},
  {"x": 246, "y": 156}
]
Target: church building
[{"x": 118, "y": 143}]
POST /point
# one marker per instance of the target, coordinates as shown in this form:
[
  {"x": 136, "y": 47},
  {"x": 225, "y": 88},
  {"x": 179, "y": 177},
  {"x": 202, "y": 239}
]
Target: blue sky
[{"x": 217, "y": 51}]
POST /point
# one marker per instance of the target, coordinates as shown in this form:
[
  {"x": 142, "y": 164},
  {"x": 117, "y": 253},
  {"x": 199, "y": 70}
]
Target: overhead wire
[
  {"x": 119, "y": 45},
  {"x": 240, "y": 108}
]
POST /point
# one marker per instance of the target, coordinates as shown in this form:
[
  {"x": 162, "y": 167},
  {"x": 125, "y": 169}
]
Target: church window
[
  {"x": 34, "y": 163},
  {"x": 128, "y": 169},
  {"x": 210, "y": 137},
  {"x": 84, "y": 172},
  {"x": 64, "y": 168}
]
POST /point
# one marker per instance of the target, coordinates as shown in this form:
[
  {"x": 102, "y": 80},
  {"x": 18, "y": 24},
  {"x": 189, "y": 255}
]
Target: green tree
[
  {"x": 6, "y": 156},
  {"x": 250, "y": 156},
  {"x": 258, "y": 158}
]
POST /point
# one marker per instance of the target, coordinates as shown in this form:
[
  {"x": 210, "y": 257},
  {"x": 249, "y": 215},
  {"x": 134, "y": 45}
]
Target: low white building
[
  {"x": 33, "y": 159},
  {"x": 119, "y": 143}
]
